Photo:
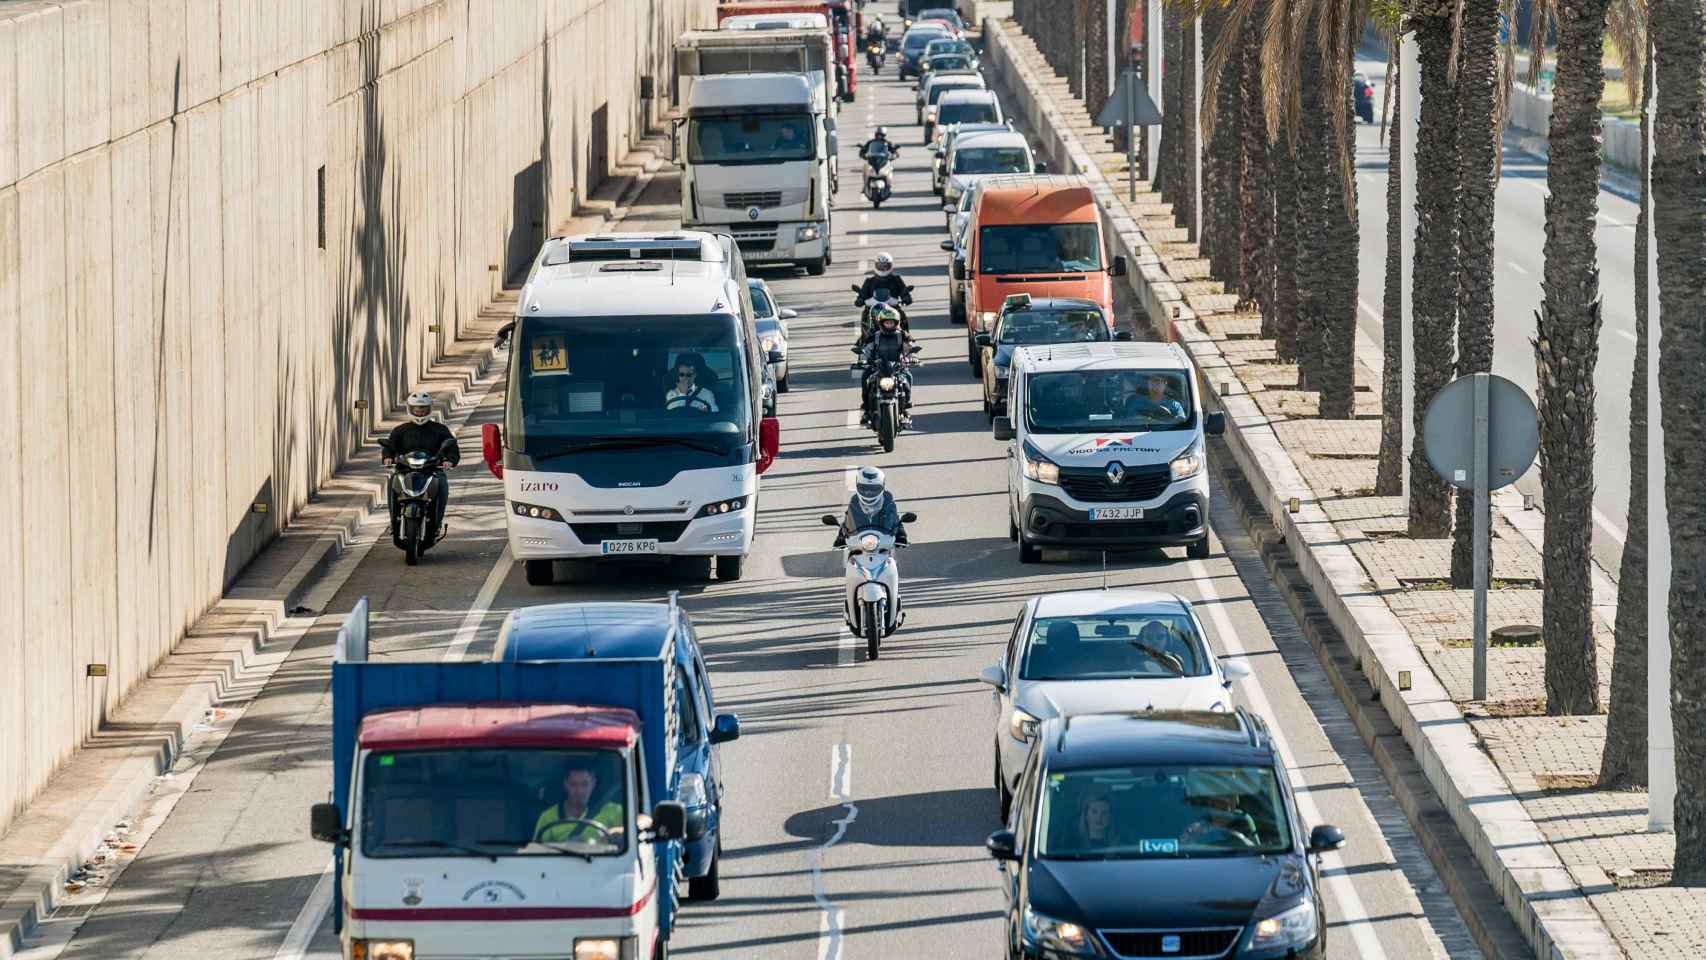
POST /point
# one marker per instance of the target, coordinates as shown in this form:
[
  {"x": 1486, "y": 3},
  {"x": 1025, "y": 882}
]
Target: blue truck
[{"x": 540, "y": 795}]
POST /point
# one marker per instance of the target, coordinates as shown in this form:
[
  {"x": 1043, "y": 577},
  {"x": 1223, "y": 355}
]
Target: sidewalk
[
  {"x": 58, "y": 858},
  {"x": 1573, "y": 865}
]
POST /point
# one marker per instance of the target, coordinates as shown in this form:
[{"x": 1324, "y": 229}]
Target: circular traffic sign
[{"x": 1513, "y": 432}]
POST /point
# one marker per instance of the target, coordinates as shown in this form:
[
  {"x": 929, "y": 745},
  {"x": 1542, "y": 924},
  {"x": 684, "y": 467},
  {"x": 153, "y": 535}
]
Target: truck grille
[
  {"x": 663, "y": 531},
  {"x": 1184, "y": 944},
  {"x": 762, "y": 199},
  {"x": 1091, "y": 484}
]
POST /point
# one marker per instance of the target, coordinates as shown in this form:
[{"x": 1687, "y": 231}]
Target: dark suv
[{"x": 1160, "y": 834}]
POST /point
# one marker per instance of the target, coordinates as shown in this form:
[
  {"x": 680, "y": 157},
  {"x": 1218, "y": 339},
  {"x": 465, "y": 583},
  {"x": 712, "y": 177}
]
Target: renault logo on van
[
  {"x": 752, "y": 213},
  {"x": 1116, "y": 473}
]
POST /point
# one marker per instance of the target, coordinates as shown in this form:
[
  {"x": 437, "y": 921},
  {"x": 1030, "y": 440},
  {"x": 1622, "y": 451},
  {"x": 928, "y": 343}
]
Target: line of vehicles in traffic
[{"x": 563, "y": 787}]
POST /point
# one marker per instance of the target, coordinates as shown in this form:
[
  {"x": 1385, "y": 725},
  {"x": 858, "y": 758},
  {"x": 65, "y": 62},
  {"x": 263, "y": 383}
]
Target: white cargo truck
[{"x": 754, "y": 157}]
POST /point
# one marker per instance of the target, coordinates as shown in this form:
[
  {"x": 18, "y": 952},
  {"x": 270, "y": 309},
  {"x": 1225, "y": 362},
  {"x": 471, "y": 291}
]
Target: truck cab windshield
[
  {"x": 494, "y": 802},
  {"x": 749, "y": 139}
]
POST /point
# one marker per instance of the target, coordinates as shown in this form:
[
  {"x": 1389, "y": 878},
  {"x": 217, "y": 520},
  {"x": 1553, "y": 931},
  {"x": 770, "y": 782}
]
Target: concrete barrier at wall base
[{"x": 231, "y": 234}]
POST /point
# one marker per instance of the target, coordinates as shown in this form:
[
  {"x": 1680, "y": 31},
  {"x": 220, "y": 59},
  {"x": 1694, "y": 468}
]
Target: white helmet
[
  {"x": 885, "y": 264},
  {"x": 869, "y": 489},
  {"x": 419, "y": 406}
]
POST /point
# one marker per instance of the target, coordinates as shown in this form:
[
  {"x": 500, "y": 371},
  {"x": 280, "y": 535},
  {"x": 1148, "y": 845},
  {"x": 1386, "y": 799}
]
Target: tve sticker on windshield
[
  {"x": 1168, "y": 847},
  {"x": 549, "y": 355}
]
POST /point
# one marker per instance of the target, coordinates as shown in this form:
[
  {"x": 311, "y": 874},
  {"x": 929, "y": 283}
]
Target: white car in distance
[
  {"x": 772, "y": 321},
  {"x": 1100, "y": 651}
]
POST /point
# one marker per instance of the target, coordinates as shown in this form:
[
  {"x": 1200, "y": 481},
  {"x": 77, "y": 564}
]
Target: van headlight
[
  {"x": 1292, "y": 928},
  {"x": 986, "y": 321},
  {"x": 1021, "y": 726},
  {"x": 808, "y": 233},
  {"x": 1039, "y": 467},
  {"x": 1188, "y": 464},
  {"x": 382, "y": 949},
  {"x": 602, "y": 948}
]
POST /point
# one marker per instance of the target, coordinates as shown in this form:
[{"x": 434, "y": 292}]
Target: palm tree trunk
[
  {"x": 1227, "y": 148},
  {"x": 1433, "y": 295},
  {"x": 1168, "y": 162},
  {"x": 1389, "y": 476},
  {"x": 1336, "y": 376},
  {"x": 1566, "y": 349},
  {"x": 1190, "y": 143},
  {"x": 1624, "y": 762},
  {"x": 1679, "y": 207},
  {"x": 1477, "y": 70},
  {"x": 1287, "y": 200},
  {"x": 1315, "y": 266},
  {"x": 1256, "y": 192}
]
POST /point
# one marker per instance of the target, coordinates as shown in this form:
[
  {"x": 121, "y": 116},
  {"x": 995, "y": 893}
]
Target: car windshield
[
  {"x": 916, "y": 40},
  {"x": 938, "y": 47},
  {"x": 1108, "y": 401},
  {"x": 608, "y": 381},
  {"x": 1051, "y": 326},
  {"x": 937, "y": 90},
  {"x": 1161, "y": 812},
  {"x": 976, "y": 160},
  {"x": 1118, "y": 646},
  {"x": 761, "y": 305},
  {"x": 1040, "y": 248},
  {"x": 494, "y": 802},
  {"x": 949, "y": 61},
  {"x": 750, "y": 139},
  {"x": 967, "y": 113}
]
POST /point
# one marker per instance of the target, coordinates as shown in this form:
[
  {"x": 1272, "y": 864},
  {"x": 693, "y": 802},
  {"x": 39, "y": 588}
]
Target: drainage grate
[{"x": 72, "y": 911}]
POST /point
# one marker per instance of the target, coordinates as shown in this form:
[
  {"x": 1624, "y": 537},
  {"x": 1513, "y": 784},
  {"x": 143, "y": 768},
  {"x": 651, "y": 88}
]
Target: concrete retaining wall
[{"x": 231, "y": 233}]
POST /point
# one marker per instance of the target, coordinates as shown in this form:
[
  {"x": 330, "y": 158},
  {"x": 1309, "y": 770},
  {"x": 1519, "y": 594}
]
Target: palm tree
[
  {"x": 1389, "y": 475},
  {"x": 1256, "y": 199},
  {"x": 1433, "y": 295},
  {"x": 1624, "y": 762},
  {"x": 1477, "y": 67},
  {"x": 1679, "y": 207},
  {"x": 1566, "y": 348},
  {"x": 1338, "y": 31}
]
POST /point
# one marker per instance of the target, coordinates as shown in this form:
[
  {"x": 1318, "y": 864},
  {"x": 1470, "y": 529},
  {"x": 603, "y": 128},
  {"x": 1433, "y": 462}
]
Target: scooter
[
  {"x": 891, "y": 405},
  {"x": 413, "y": 489},
  {"x": 879, "y": 175},
  {"x": 871, "y": 602},
  {"x": 875, "y": 52}
]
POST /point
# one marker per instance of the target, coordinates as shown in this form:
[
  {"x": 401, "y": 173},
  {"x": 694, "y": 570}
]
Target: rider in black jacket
[
  {"x": 888, "y": 279},
  {"x": 423, "y": 434}
]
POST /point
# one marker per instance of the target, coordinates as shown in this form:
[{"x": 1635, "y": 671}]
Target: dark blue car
[
  {"x": 1160, "y": 834},
  {"x": 647, "y": 631}
]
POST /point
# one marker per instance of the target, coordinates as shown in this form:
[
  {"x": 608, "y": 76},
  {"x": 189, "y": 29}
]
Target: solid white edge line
[
  {"x": 301, "y": 934},
  {"x": 830, "y": 917},
  {"x": 1356, "y": 919},
  {"x": 476, "y": 615}
]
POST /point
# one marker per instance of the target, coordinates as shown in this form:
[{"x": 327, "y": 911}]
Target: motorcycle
[
  {"x": 871, "y": 603},
  {"x": 891, "y": 400},
  {"x": 879, "y": 174},
  {"x": 879, "y": 299},
  {"x": 413, "y": 488},
  {"x": 874, "y": 55}
]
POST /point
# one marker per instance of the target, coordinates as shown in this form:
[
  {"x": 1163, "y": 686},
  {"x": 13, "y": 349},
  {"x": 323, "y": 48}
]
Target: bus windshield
[
  {"x": 579, "y": 383},
  {"x": 750, "y": 139}
]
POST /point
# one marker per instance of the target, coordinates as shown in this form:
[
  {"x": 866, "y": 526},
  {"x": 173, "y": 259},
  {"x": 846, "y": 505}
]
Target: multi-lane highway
[{"x": 860, "y": 791}]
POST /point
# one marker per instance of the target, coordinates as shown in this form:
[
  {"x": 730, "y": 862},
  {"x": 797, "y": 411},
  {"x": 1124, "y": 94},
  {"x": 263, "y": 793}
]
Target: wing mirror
[
  {"x": 1002, "y": 845},
  {"x": 959, "y": 269},
  {"x": 1326, "y": 837},
  {"x": 1124, "y": 336},
  {"x": 984, "y": 340},
  {"x": 774, "y": 356},
  {"x": 1042, "y": 166},
  {"x": 1118, "y": 269},
  {"x": 326, "y": 822},
  {"x": 1214, "y": 424},
  {"x": 769, "y": 442},
  {"x": 725, "y": 728},
  {"x": 947, "y": 245},
  {"x": 788, "y": 313},
  {"x": 996, "y": 676},
  {"x": 830, "y": 520},
  {"x": 492, "y": 448},
  {"x": 1234, "y": 670},
  {"x": 1002, "y": 428},
  {"x": 909, "y": 517},
  {"x": 669, "y": 821}
]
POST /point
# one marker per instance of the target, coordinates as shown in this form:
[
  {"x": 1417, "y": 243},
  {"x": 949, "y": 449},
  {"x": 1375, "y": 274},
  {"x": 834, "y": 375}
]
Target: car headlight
[
  {"x": 1188, "y": 464},
  {"x": 885, "y": 383},
  {"x": 1039, "y": 467},
  {"x": 599, "y": 948},
  {"x": 1293, "y": 928},
  {"x": 1058, "y": 935},
  {"x": 1001, "y": 370},
  {"x": 808, "y": 233},
  {"x": 768, "y": 343},
  {"x": 692, "y": 791},
  {"x": 1021, "y": 725},
  {"x": 868, "y": 542},
  {"x": 382, "y": 949}
]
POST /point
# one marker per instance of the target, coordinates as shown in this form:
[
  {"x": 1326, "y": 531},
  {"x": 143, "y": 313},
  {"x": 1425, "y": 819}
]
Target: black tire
[
  {"x": 956, "y": 312},
  {"x": 1003, "y": 795},
  {"x": 817, "y": 267},
  {"x": 661, "y": 951},
  {"x": 876, "y": 204},
  {"x": 988, "y": 409},
  {"x": 710, "y": 886},
  {"x": 873, "y": 631},
  {"x": 782, "y": 385},
  {"x": 730, "y": 568},
  {"x": 1198, "y": 549},
  {"x": 887, "y": 427},
  {"x": 540, "y": 573},
  {"x": 1027, "y": 552},
  {"x": 1012, "y": 529},
  {"x": 411, "y": 541},
  {"x": 974, "y": 360}
]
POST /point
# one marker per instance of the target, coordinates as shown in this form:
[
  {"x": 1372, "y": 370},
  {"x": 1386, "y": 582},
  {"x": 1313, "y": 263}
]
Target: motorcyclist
[
  {"x": 876, "y": 31},
  {"x": 871, "y": 507},
  {"x": 883, "y": 136},
  {"x": 885, "y": 278},
  {"x": 420, "y": 433},
  {"x": 888, "y": 343}
]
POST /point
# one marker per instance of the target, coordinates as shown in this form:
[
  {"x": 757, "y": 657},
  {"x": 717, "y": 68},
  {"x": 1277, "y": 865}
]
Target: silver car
[
  {"x": 772, "y": 320},
  {"x": 1095, "y": 651}
]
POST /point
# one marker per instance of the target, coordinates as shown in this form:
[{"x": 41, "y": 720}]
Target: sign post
[{"x": 1130, "y": 108}]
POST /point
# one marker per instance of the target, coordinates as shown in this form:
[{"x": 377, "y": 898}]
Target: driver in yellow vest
[{"x": 572, "y": 820}]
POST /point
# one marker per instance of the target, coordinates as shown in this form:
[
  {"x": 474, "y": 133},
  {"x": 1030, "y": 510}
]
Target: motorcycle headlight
[
  {"x": 808, "y": 233},
  {"x": 885, "y": 383},
  {"x": 1021, "y": 726},
  {"x": 1188, "y": 464},
  {"x": 1292, "y": 928},
  {"x": 1038, "y": 467},
  {"x": 1058, "y": 936},
  {"x": 382, "y": 949},
  {"x": 868, "y": 542}
]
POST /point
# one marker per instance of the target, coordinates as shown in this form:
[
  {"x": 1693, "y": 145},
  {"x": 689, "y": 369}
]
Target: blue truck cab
[{"x": 585, "y": 632}]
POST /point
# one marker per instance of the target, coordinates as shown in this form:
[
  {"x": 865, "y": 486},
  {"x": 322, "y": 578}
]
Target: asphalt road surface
[
  {"x": 1519, "y": 225},
  {"x": 897, "y": 752}
]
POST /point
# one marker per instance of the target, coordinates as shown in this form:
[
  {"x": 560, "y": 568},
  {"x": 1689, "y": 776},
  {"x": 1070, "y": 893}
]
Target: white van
[{"x": 1106, "y": 449}]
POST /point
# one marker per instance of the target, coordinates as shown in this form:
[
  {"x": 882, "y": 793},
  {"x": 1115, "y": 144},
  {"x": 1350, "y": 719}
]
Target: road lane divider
[{"x": 832, "y": 919}]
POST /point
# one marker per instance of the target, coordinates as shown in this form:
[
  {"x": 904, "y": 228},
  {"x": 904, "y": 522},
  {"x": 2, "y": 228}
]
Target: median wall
[{"x": 231, "y": 233}]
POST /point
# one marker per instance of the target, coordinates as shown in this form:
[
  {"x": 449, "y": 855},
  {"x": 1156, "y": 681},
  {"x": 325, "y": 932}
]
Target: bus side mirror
[
  {"x": 492, "y": 448},
  {"x": 326, "y": 823},
  {"x": 674, "y": 140},
  {"x": 769, "y": 442}
]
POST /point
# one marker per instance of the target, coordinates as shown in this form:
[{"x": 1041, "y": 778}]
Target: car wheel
[
  {"x": 1012, "y": 529},
  {"x": 1027, "y": 552},
  {"x": 782, "y": 385},
  {"x": 709, "y": 886},
  {"x": 1001, "y": 791},
  {"x": 817, "y": 267},
  {"x": 540, "y": 573},
  {"x": 1198, "y": 549},
  {"x": 729, "y": 568}
]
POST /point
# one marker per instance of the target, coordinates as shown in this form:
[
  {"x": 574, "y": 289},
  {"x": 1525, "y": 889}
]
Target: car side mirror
[
  {"x": 949, "y": 208},
  {"x": 959, "y": 270},
  {"x": 830, "y": 520},
  {"x": 1002, "y": 845},
  {"x": 1002, "y": 428},
  {"x": 725, "y": 728},
  {"x": 1042, "y": 166},
  {"x": 1234, "y": 670},
  {"x": 947, "y": 245},
  {"x": 1214, "y": 424},
  {"x": 774, "y": 356},
  {"x": 669, "y": 821},
  {"x": 788, "y": 313},
  {"x": 909, "y": 517},
  {"x": 1123, "y": 336},
  {"x": 1325, "y": 838},
  {"x": 996, "y": 676},
  {"x": 1118, "y": 268},
  {"x": 326, "y": 822},
  {"x": 984, "y": 340}
]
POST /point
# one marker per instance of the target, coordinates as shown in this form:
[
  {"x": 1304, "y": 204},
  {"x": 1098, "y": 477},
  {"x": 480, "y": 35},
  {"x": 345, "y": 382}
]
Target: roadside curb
[{"x": 1540, "y": 894}]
